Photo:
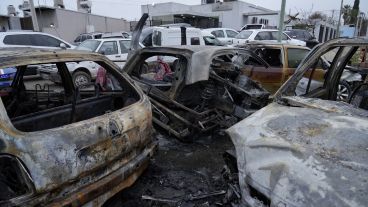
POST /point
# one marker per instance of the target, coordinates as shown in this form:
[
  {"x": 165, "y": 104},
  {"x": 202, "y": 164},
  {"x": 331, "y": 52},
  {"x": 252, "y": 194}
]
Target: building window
[
  {"x": 254, "y": 20},
  {"x": 263, "y": 21}
]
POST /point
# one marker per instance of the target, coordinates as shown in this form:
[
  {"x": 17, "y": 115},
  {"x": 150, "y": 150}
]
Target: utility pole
[
  {"x": 36, "y": 28},
  {"x": 281, "y": 23},
  {"x": 338, "y": 23}
]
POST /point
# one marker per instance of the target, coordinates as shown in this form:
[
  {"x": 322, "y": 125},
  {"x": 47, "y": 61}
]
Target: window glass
[
  {"x": 89, "y": 45},
  {"x": 77, "y": 39},
  {"x": 194, "y": 41},
  {"x": 295, "y": 56},
  {"x": 124, "y": 46},
  {"x": 263, "y": 36},
  {"x": 231, "y": 33},
  {"x": 98, "y": 36},
  {"x": 157, "y": 37},
  {"x": 275, "y": 34},
  {"x": 272, "y": 56},
  {"x": 83, "y": 37},
  {"x": 88, "y": 37},
  {"x": 19, "y": 39},
  {"x": 45, "y": 41},
  {"x": 109, "y": 48},
  {"x": 218, "y": 33},
  {"x": 243, "y": 34},
  {"x": 209, "y": 40}
]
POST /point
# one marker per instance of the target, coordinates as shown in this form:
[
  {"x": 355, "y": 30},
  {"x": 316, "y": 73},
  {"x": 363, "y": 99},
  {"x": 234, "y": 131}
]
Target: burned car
[
  {"x": 307, "y": 150},
  {"x": 194, "y": 89},
  {"x": 65, "y": 145}
]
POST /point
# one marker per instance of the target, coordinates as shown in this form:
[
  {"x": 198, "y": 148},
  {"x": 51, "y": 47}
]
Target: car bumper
[{"x": 97, "y": 193}]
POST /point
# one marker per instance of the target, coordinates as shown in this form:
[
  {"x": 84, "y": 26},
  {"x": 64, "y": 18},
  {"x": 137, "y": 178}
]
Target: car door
[
  {"x": 230, "y": 35},
  {"x": 111, "y": 50},
  {"x": 270, "y": 78},
  {"x": 124, "y": 50}
]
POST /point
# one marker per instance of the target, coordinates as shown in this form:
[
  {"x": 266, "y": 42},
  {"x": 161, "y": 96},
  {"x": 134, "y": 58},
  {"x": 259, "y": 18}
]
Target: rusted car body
[
  {"x": 205, "y": 90},
  {"x": 69, "y": 147},
  {"x": 307, "y": 150},
  {"x": 282, "y": 58}
]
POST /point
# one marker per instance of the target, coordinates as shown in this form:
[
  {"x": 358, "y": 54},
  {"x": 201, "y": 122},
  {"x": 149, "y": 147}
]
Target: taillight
[{"x": 14, "y": 179}]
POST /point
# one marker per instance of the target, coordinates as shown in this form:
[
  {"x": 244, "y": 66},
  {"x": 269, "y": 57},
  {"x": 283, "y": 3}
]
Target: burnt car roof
[
  {"x": 26, "y": 56},
  {"x": 201, "y": 58}
]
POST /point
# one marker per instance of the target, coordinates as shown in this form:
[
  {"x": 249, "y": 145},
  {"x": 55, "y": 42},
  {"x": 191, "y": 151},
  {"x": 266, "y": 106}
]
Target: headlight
[{"x": 14, "y": 179}]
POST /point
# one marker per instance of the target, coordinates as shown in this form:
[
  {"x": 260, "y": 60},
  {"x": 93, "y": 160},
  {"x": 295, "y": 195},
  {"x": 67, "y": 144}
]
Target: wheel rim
[
  {"x": 80, "y": 80},
  {"x": 343, "y": 93}
]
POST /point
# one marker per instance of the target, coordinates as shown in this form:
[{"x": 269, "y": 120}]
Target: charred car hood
[{"x": 312, "y": 154}]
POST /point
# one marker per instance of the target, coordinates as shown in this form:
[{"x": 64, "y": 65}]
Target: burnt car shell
[
  {"x": 194, "y": 71},
  {"x": 81, "y": 163},
  {"x": 304, "y": 151}
]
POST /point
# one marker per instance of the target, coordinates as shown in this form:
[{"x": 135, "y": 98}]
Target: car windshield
[
  {"x": 89, "y": 45},
  {"x": 244, "y": 35}
]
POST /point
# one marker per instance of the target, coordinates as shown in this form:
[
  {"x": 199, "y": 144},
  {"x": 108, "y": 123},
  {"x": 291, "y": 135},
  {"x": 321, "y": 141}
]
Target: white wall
[
  {"x": 69, "y": 24},
  {"x": 233, "y": 18}
]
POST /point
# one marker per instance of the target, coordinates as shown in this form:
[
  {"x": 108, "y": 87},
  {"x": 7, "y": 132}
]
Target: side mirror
[
  {"x": 101, "y": 52},
  {"x": 62, "y": 46}
]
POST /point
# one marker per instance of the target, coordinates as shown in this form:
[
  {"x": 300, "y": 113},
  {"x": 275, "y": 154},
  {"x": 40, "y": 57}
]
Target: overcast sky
[{"x": 131, "y": 10}]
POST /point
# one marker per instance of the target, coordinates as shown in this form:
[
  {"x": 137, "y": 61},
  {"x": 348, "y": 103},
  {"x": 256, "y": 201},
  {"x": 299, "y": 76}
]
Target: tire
[
  {"x": 81, "y": 78},
  {"x": 343, "y": 91}
]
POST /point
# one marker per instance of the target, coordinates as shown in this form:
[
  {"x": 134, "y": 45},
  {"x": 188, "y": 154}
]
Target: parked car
[
  {"x": 303, "y": 35},
  {"x": 87, "y": 36},
  {"x": 32, "y": 39},
  {"x": 307, "y": 150},
  {"x": 115, "y": 49},
  {"x": 266, "y": 35},
  {"x": 66, "y": 145},
  {"x": 225, "y": 35}
]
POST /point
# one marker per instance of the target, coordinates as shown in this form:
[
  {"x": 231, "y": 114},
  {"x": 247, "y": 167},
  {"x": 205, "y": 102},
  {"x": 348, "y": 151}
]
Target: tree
[
  {"x": 346, "y": 13},
  {"x": 355, "y": 12},
  {"x": 317, "y": 15}
]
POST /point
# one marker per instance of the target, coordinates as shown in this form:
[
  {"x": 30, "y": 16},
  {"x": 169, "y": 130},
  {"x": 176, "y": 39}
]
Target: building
[
  {"x": 68, "y": 24},
  {"x": 232, "y": 14}
]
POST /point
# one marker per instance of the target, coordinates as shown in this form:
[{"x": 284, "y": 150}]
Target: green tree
[{"x": 354, "y": 12}]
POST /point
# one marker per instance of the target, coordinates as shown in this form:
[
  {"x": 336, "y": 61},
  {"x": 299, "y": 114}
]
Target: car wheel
[
  {"x": 81, "y": 78},
  {"x": 344, "y": 91}
]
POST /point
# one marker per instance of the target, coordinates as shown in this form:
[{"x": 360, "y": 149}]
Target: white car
[
  {"x": 115, "y": 49},
  {"x": 32, "y": 39},
  {"x": 268, "y": 35},
  {"x": 225, "y": 35}
]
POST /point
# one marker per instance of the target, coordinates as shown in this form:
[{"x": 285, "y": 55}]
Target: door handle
[{"x": 117, "y": 56}]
